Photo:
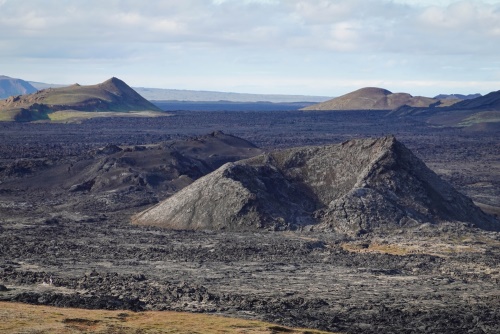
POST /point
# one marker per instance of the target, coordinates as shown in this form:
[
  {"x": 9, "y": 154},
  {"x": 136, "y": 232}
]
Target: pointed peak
[
  {"x": 390, "y": 139},
  {"x": 114, "y": 80},
  {"x": 116, "y": 86},
  {"x": 386, "y": 142}
]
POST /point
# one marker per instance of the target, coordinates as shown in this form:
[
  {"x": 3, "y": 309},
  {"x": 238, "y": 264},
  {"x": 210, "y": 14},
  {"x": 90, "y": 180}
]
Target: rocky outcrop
[{"x": 353, "y": 187}]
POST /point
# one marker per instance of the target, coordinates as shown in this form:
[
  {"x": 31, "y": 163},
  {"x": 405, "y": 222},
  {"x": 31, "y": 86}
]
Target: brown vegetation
[{"x": 23, "y": 318}]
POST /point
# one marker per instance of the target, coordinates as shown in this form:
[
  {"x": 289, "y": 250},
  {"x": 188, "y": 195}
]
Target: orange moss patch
[
  {"x": 24, "y": 318},
  {"x": 442, "y": 248}
]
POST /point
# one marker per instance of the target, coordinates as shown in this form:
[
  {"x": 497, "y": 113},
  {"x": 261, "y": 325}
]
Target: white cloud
[
  {"x": 463, "y": 16},
  {"x": 354, "y": 39},
  {"x": 377, "y": 25}
]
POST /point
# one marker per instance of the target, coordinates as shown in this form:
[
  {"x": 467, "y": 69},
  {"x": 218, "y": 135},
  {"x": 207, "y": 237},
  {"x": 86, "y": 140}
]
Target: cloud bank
[{"x": 234, "y": 43}]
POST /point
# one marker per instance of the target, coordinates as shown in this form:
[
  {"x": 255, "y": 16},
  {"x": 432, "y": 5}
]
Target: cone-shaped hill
[
  {"x": 373, "y": 98},
  {"x": 112, "y": 95},
  {"x": 356, "y": 186}
]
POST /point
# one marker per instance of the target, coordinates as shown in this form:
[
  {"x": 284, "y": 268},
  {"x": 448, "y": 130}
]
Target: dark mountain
[
  {"x": 112, "y": 95},
  {"x": 479, "y": 114},
  {"x": 488, "y": 102},
  {"x": 114, "y": 177},
  {"x": 456, "y": 96},
  {"x": 373, "y": 98},
  {"x": 13, "y": 87},
  {"x": 357, "y": 186}
]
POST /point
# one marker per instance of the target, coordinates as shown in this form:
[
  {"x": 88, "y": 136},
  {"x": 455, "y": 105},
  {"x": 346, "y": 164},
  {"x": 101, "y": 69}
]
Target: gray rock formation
[{"x": 353, "y": 187}]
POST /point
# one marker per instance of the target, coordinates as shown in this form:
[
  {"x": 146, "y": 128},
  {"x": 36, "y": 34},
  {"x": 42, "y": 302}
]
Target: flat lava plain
[{"x": 424, "y": 279}]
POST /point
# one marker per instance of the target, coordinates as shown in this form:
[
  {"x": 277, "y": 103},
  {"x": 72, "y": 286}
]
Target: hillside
[
  {"x": 353, "y": 187},
  {"x": 487, "y": 102},
  {"x": 125, "y": 177},
  {"x": 478, "y": 114},
  {"x": 13, "y": 87},
  {"x": 373, "y": 98},
  {"x": 112, "y": 95},
  {"x": 182, "y": 95}
]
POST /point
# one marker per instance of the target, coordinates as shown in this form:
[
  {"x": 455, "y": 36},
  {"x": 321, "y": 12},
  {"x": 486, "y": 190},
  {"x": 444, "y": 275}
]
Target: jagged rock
[
  {"x": 356, "y": 186},
  {"x": 85, "y": 186},
  {"x": 109, "y": 149}
]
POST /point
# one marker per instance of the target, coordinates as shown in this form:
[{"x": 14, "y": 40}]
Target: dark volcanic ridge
[
  {"x": 490, "y": 101},
  {"x": 112, "y": 95},
  {"x": 473, "y": 111},
  {"x": 457, "y": 96},
  {"x": 487, "y": 103},
  {"x": 13, "y": 87},
  {"x": 354, "y": 187},
  {"x": 115, "y": 178}
]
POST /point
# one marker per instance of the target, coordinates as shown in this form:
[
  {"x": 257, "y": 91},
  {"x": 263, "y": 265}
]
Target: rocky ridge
[
  {"x": 354, "y": 187},
  {"x": 115, "y": 178}
]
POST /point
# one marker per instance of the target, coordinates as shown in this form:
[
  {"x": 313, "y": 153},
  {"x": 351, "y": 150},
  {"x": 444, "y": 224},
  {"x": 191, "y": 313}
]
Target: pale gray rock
[{"x": 352, "y": 188}]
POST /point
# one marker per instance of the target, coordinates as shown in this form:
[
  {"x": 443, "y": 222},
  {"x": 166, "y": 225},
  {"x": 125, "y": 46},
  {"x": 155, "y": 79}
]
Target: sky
[{"x": 307, "y": 47}]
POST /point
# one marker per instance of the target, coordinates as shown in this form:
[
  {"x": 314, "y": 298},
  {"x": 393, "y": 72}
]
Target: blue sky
[{"x": 310, "y": 47}]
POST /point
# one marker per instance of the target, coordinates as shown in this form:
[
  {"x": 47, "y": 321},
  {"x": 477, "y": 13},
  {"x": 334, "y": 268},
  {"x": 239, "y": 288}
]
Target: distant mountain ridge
[
  {"x": 113, "y": 95},
  {"x": 374, "y": 98},
  {"x": 457, "y": 96},
  {"x": 490, "y": 101},
  {"x": 487, "y": 103},
  {"x": 13, "y": 87},
  {"x": 160, "y": 94},
  {"x": 163, "y": 94},
  {"x": 478, "y": 114}
]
